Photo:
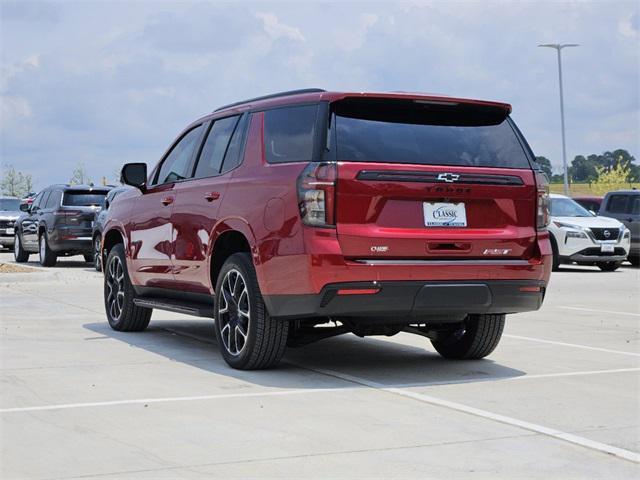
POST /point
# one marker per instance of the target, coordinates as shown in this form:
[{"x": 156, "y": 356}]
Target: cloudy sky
[{"x": 106, "y": 83}]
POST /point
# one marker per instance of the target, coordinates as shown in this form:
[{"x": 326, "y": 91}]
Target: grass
[{"x": 587, "y": 189}]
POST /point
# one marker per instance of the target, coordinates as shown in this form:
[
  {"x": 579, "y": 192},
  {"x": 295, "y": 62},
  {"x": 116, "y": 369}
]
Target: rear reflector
[
  {"x": 358, "y": 291},
  {"x": 530, "y": 289}
]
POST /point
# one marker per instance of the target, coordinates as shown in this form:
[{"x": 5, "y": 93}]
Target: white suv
[{"x": 577, "y": 235}]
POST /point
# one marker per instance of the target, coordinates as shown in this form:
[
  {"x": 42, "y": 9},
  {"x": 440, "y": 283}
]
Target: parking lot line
[
  {"x": 135, "y": 401},
  {"x": 573, "y": 345},
  {"x": 550, "y": 432},
  {"x": 582, "y": 309},
  {"x": 521, "y": 377}
]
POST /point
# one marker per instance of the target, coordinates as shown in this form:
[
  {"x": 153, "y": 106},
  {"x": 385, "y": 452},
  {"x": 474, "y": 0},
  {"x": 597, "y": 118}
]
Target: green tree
[
  {"x": 545, "y": 166},
  {"x": 80, "y": 176},
  {"x": 583, "y": 169},
  {"x": 15, "y": 183},
  {"x": 615, "y": 177}
]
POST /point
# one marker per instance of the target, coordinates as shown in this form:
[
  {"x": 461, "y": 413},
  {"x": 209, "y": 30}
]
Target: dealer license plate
[{"x": 441, "y": 214}]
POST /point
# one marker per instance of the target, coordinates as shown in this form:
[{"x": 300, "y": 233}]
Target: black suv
[
  {"x": 58, "y": 223},
  {"x": 98, "y": 224}
]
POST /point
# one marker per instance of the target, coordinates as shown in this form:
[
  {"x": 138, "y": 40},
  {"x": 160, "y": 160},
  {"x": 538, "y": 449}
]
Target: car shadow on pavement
[{"x": 385, "y": 362}]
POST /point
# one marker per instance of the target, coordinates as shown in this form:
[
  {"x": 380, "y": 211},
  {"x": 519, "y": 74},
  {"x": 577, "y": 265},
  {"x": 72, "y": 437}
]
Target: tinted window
[
  {"x": 54, "y": 199},
  {"x": 45, "y": 198},
  {"x": 233, "y": 158},
  {"x": 618, "y": 204},
  {"x": 81, "y": 198},
  {"x": 36, "y": 201},
  {"x": 635, "y": 205},
  {"x": 215, "y": 147},
  {"x": 10, "y": 204},
  {"x": 289, "y": 133},
  {"x": 176, "y": 165},
  {"x": 420, "y": 133}
]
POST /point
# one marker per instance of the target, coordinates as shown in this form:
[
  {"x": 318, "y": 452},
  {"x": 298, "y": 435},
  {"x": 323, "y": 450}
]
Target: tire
[
  {"x": 19, "y": 253},
  {"x": 97, "y": 257},
  {"x": 88, "y": 257},
  {"x": 251, "y": 340},
  {"x": 47, "y": 257},
  {"x": 556, "y": 256},
  {"x": 635, "y": 261},
  {"x": 609, "y": 266},
  {"x": 122, "y": 313},
  {"x": 480, "y": 336}
]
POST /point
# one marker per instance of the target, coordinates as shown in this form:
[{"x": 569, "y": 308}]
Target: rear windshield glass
[
  {"x": 83, "y": 199},
  {"x": 427, "y": 134}
]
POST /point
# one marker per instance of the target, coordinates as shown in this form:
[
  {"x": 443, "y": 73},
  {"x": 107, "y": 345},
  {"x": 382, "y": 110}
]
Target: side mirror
[
  {"x": 134, "y": 174},
  {"x": 25, "y": 207}
]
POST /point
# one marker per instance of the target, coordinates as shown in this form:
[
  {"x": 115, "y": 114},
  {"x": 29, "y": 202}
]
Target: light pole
[{"x": 558, "y": 47}]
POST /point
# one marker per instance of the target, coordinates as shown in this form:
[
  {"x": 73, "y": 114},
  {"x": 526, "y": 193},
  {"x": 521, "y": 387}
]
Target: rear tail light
[
  {"x": 70, "y": 216},
  {"x": 542, "y": 203},
  {"x": 316, "y": 194}
]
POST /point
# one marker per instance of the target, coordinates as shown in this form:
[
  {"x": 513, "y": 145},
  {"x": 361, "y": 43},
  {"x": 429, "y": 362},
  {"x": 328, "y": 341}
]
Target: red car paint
[{"x": 171, "y": 231}]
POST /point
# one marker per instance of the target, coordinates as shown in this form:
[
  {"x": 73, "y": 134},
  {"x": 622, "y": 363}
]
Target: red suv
[{"x": 307, "y": 214}]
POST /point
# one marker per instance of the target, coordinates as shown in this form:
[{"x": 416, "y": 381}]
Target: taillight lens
[
  {"x": 316, "y": 194},
  {"x": 542, "y": 207}
]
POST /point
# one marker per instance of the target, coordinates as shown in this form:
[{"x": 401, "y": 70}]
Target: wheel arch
[
  {"x": 226, "y": 244},
  {"x": 109, "y": 240}
]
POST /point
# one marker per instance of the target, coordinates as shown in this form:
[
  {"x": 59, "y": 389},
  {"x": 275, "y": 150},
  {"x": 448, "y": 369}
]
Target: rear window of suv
[
  {"x": 83, "y": 199},
  {"x": 426, "y": 133}
]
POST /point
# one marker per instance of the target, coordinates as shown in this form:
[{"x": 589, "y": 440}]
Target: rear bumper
[
  {"x": 411, "y": 299},
  {"x": 7, "y": 240}
]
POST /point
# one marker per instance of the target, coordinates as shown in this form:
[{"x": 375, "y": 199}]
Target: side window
[
  {"x": 37, "y": 201},
  {"x": 617, "y": 204},
  {"x": 233, "y": 157},
  {"x": 289, "y": 133},
  {"x": 176, "y": 165},
  {"x": 54, "y": 199},
  {"x": 45, "y": 198},
  {"x": 635, "y": 205},
  {"x": 215, "y": 147}
]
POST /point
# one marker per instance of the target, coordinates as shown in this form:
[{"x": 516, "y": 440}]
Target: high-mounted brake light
[
  {"x": 542, "y": 203},
  {"x": 316, "y": 194}
]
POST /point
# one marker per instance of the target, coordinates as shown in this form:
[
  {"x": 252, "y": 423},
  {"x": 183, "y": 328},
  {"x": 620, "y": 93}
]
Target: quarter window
[
  {"x": 215, "y": 147},
  {"x": 233, "y": 157},
  {"x": 54, "y": 199},
  {"x": 176, "y": 165},
  {"x": 289, "y": 133}
]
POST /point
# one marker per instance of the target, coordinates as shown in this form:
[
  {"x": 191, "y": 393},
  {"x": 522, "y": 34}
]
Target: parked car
[
  {"x": 380, "y": 212},
  {"x": 591, "y": 203},
  {"x": 9, "y": 213},
  {"x": 29, "y": 197},
  {"x": 58, "y": 223},
  {"x": 98, "y": 224},
  {"x": 624, "y": 205},
  {"x": 577, "y": 235}
]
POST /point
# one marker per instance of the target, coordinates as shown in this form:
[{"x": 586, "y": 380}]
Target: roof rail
[{"x": 273, "y": 95}]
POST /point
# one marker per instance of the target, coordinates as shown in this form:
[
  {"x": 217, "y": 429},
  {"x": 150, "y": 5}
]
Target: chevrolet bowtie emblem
[{"x": 448, "y": 177}]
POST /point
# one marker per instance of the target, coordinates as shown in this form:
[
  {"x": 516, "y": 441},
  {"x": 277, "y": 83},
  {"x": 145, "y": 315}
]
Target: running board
[{"x": 177, "y": 306}]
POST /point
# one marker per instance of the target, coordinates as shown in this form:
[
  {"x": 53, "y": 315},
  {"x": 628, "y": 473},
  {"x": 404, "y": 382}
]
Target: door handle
[
  {"x": 211, "y": 196},
  {"x": 167, "y": 201}
]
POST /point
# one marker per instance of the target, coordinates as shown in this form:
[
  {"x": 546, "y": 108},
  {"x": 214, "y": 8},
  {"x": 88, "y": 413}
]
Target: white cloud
[
  {"x": 276, "y": 29},
  {"x": 628, "y": 27}
]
